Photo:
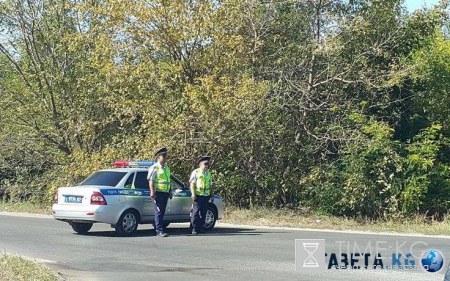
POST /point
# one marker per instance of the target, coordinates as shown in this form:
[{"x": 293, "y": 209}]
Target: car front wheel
[
  {"x": 81, "y": 228},
  {"x": 127, "y": 224},
  {"x": 210, "y": 219}
]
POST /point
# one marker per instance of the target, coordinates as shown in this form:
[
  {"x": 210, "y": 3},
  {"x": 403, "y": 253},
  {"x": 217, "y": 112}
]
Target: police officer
[
  {"x": 201, "y": 189},
  {"x": 159, "y": 181}
]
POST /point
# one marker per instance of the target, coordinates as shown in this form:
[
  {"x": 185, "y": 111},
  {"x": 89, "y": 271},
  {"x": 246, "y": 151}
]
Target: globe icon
[{"x": 432, "y": 261}]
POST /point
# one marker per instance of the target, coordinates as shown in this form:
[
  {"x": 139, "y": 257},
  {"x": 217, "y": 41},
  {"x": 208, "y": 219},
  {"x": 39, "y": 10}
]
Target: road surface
[{"x": 227, "y": 253}]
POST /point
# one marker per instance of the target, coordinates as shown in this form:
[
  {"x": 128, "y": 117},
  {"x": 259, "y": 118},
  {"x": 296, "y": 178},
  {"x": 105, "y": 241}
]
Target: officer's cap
[
  {"x": 161, "y": 151},
  {"x": 204, "y": 159}
]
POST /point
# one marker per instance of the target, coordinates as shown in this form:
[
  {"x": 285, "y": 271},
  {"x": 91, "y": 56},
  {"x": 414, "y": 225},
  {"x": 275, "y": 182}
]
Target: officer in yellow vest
[
  {"x": 160, "y": 191},
  {"x": 201, "y": 189}
]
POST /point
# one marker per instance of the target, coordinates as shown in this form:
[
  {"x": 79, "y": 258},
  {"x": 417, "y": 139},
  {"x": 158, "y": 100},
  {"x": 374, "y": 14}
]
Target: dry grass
[
  {"x": 25, "y": 207},
  {"x": 14, "y": 268},
  {"x": 289, "y": 218}
]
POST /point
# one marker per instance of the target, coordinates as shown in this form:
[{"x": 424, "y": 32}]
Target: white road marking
[
  {"x": 229, "y": 225},
  {"x": 26, "y": 215},
  {"x": 29, "y": 258}
]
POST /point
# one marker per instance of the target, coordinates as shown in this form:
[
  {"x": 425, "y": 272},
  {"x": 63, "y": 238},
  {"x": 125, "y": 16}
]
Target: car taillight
[
  {"x": 98, "y": 199},
  {"x": 55, "y": 199}
]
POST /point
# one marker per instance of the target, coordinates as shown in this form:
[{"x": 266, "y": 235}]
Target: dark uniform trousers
[
  {"x": 199, "y": 209},
  {"x": 161, "y": 203}
]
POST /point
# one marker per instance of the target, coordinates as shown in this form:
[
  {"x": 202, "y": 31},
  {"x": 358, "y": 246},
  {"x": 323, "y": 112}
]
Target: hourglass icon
[{"x": 310, "y": 260}]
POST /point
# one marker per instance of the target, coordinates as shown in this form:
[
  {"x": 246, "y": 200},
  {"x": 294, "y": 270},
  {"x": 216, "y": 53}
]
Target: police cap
[
  {"x": 161, "y": 151},
  {"x": 204, "y": 159}
]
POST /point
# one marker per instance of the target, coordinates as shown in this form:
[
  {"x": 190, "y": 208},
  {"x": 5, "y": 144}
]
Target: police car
[{"x": 121, "y": 197}]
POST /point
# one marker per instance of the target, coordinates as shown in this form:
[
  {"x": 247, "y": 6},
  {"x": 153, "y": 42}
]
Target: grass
[
  {"x": 25, "y": 207},
  {"x": 13, "y": 268},
  {"x": 290, "y": 218}
]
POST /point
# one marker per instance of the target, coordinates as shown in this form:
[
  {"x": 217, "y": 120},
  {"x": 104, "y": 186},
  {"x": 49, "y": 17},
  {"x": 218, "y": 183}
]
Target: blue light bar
[
  {"x": 122, "y": 164},
  {"x": 142, "y": 163}
]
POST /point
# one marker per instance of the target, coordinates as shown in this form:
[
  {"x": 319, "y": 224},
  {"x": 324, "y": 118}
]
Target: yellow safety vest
[
  {"x": 162, "y": 180},
  {"x": 203, "y": 183}
]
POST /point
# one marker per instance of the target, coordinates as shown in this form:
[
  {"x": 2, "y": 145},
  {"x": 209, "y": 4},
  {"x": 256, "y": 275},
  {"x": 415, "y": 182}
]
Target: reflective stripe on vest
[
  {"x": 203, "y": 184},
  {"x": 162, "y": 180}
]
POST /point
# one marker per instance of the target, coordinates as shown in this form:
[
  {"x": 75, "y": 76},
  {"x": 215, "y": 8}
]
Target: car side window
[
  {"x": 129, "y": 182},
  {"x": 174, "y": 185},
  {"x": 141, "y": 180}
]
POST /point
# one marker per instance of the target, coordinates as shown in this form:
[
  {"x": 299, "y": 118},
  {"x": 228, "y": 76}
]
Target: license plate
[{"x": 73, "y": 199}]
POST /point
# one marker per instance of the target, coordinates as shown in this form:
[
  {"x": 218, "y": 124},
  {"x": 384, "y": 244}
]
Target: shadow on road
[
  {"x": 184, "y": 231},
  {"x": 218, "y": 231}
]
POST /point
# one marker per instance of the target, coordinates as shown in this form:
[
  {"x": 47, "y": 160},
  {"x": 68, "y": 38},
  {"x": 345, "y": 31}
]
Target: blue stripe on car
[
  {"x": 135, "y": 192},
  {"x": 129, "y": 192}
]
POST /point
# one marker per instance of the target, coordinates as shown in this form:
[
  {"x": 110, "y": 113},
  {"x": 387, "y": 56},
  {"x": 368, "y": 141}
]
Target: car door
[
  {"x": 146, "y": 202},
  {"x": 181, "y": 203}
]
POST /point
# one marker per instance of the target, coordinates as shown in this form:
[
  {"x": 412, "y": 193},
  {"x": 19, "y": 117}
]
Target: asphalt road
[{"x": 227, "y": 253}]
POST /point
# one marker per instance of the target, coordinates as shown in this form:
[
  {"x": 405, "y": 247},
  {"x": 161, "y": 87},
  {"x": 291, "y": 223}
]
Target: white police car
[{"x": 121, "y": 197}]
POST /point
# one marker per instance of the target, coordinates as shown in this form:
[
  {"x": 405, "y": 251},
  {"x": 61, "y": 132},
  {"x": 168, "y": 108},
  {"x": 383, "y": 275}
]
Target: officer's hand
[
  {"x": 193, "y": 197},
  {"x": 153, "y": 195},
  {"x": 211, "y": 199},
  {"x": 170, "y": 195}
]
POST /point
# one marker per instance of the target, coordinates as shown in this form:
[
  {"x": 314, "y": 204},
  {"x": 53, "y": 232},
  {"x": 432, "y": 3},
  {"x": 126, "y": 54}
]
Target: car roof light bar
[{"x": 126, "y": 164}]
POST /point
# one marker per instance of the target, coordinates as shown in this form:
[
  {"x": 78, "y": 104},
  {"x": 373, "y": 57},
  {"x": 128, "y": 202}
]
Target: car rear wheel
[
  {"x": 81, "y": 228},
  {"x": 127, "y": 224},
  {"x": 210, "y": 219}
]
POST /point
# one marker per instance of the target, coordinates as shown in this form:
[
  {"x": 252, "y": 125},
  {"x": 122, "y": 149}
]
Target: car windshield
[{"x": 105, "y": 178}]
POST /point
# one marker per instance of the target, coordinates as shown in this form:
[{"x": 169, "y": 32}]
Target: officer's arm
[
  {"x": 192, "y": 180},
  {"x": 211, "y": 192},
  {"x": 191, "y": 186},
  {"x": 151, "y": 183},
  {"x": 212, "y": 185},
  {"x": 170, "y": 191},
  {"x": 152, "y": 187}
]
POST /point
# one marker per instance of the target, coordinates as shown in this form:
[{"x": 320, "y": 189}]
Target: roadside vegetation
[
  {"x": 13, "y": 268},
  {"x": 419, "y": 224},
  {"x": 340, "y": 107}
]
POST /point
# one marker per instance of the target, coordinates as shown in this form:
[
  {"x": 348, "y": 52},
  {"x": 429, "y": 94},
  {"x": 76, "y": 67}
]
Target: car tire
[
  {"x": 127, "y": 224},
  {"x": 81, "y": 228},
  {"x": 211, "y": 218}
]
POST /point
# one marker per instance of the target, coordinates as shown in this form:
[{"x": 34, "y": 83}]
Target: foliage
[{"x": 336, "y": 105}]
